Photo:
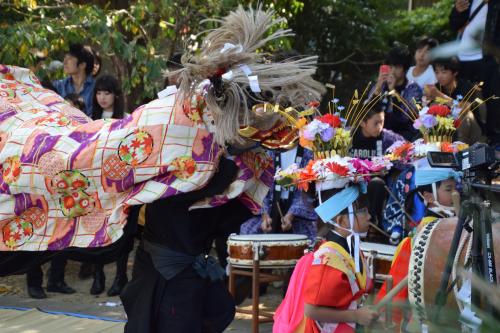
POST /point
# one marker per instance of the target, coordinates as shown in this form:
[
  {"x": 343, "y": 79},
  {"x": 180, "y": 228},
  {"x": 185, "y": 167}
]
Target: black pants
[
  {"x": 34, "y": 276},
  {"x": 486, "y": 70},
  {"x": 377, "y": 196},
  {"x": 185, "y": 304}
]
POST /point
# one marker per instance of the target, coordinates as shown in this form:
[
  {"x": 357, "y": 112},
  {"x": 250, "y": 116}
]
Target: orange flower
[
  {"x": 447, "y": 147},
  {"x": 306, "y": 176},
  {"x": 403, "y": 149}
]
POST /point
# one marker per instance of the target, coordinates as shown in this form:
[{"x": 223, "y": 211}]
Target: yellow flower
[{"x": 445, "y": 123}]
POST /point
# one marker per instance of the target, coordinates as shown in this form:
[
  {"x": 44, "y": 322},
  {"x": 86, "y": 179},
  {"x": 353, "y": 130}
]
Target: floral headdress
[
  {"x": 331, "y": 134},
  {"x": 407, "y": 152},
  {"x": 439, "y": 121}
]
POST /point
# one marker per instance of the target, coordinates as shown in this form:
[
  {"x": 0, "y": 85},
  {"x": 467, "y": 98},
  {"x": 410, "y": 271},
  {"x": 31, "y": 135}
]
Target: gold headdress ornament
[{"x": 229, "y": 57}]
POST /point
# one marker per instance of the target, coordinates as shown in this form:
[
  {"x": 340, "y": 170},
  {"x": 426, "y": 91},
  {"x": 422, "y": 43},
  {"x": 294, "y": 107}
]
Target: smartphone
[{"x": 384, "y": 69}]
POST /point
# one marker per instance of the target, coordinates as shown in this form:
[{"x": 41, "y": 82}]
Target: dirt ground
[{"x": 13, "y": 293}]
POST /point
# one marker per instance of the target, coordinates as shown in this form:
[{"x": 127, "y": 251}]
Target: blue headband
[
  {"x": 430, "y": 176},
  {"x": 337, "y": 203}
]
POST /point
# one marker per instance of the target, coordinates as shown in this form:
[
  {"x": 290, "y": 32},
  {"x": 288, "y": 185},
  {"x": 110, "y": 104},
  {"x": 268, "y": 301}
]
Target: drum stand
[
  {"x": 483, "y": 257},
  {"x": 258, "y": 277}
]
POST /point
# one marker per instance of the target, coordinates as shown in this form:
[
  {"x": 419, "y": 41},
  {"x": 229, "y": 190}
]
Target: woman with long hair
[{"x": 108, "y": 99}]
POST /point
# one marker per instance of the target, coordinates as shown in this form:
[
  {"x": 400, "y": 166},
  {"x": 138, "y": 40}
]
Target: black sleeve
[{"x": 458, "y": 20}]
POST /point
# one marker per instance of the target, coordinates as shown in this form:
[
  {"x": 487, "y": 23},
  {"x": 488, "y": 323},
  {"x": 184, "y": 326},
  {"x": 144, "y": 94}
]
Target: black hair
[
  {"x": 82, "y": 55},
  {"x": 108, "y": 83},
  {"x": 376, "y": 108},
  {"x": 361, "y": 201},
  {"x": 410, "y": 196},
  {"x": 451, "y": 64},
  {"x": 427, "y": 41},
  {"x": 76, "y": 100},
  {"x": 174, "y": 62},
  {"x": 399, "y": 55}
]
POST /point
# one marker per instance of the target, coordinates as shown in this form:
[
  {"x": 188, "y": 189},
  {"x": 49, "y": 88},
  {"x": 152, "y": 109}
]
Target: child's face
[
  {"x": 445, "y": 77},
  {"x": 373, "y": 126},
  {"x": 444, "y": 191},
  {"x": 422, "y": 56},
  {"x": 105, "y": 99},
  {"x": 362, "y": 220},
  {"x": 398, "y": 72}
]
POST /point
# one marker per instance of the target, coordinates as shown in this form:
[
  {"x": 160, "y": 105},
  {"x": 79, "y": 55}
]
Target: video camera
[{"x": 478, "y": 163}]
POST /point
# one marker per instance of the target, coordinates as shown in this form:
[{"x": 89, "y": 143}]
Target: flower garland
[{"x": 332, "y": 172}]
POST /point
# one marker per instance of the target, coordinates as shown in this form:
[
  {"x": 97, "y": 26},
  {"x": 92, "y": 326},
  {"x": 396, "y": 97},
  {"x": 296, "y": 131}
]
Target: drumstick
[
  {"x": 455, "y": 197},
  {"x": 390, "y": 295},
  {"x": 378, "y": 229},
  {"x": 279, "y": 209}
]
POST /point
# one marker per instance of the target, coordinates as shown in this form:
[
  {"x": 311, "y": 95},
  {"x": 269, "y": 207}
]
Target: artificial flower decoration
[
  {"x": 332, "y": 172},
  {"x": 330, "y": 134}
]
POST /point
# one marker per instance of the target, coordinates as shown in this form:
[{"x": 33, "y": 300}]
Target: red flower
[
  {"x": 313, "y": 104},
  {"x": 338, "y": 169},
  {"x": 457, "y": 123},
  {"x": 331, "y": 120},
  {"x": 439, "y": 110}
]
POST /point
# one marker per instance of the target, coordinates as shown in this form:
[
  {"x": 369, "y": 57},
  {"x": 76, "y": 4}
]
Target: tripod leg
[{"x": 489, "y": 266}]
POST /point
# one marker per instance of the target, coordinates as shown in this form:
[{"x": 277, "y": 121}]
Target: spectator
[
  {"x": 370, "y": 140},
  {"x": 396, "y": 120},
  {"x": 450, "y": 88},
  {"x": 97, "y": 61},
  {"x": 173, "y": 64},
  {"x": 422, "y": 73},
  {"x": 76, "y": 101},
  {"x": 478, "y": 23},
  {"x": 107, "y": 99},
  {"x": 108, "y": 103},
  {"x": 78, "y": 65}
]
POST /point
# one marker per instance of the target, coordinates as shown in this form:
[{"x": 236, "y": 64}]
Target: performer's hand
[
  {"x": 266, "y": 224},
  {"x": 286, "y": 222},
  {"x": 366, "y": 316},
  {"x": 461, "y": 5}
]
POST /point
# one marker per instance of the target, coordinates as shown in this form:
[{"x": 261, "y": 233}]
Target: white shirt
[
  {"x": 107, "y": 114},
  {"x": 427, "y": 77},
  {"x": 287, "y": 159},
  {"x": 470, "y": 49}
]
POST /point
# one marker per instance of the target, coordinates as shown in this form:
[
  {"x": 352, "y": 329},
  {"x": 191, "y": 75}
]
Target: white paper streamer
[
  {"x": 254, "y": 83},
  {"x": 228, "y": 47},
  {"x": 170, "y": 90}
]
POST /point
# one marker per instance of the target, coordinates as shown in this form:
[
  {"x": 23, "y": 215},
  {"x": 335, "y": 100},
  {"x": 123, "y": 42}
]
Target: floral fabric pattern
[{"x": 66, "y": 180}]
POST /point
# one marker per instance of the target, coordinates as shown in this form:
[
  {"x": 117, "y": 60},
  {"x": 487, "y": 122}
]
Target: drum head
[
  {"x": 268, "y": 238},
  {"x": 382, "y": 249}
]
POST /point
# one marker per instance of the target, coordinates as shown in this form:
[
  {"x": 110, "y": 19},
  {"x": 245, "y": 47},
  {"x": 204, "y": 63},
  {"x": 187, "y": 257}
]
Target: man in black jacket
[{"x": 481, "y": 19}]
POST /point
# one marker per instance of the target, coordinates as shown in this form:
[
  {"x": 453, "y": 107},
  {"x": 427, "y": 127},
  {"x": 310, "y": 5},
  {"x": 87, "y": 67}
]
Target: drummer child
[
  {"x": 285, "y": 209},
  {"x": 338, "y": 277},
  {"x": 434, "y": 189}
]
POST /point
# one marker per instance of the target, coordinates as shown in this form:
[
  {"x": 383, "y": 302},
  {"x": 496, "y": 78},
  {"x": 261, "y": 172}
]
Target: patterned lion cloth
[{"x": 67, "y": 181}]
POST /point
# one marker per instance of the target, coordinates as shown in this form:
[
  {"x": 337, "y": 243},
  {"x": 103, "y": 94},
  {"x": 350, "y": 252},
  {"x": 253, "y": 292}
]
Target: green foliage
[
  {"x": 135, "y": 39},
  {"x": 432, "y": 21}
]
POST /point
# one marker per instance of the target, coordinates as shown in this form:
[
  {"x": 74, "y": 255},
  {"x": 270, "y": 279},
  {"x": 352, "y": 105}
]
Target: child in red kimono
[{"x": 338, "y": 277}]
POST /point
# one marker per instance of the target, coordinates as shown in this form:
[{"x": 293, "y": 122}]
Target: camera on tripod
[
  {"x": 478, "y": 164},
  {"x": 477, "y": 156}
]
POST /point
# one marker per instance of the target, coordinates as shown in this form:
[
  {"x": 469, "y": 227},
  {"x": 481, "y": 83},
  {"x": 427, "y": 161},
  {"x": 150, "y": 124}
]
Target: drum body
[
  {"x": 272, "y": 250},
  {"x": 428, "y": 261},
  {"x": 378, "y": 256}
]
